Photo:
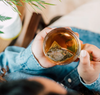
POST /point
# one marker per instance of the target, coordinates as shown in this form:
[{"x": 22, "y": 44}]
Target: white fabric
[{"x": 86, "y": 17}]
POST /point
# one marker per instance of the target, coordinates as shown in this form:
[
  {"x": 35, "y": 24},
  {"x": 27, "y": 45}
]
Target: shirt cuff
[
  {"x": 95, "y": 86},
  {"x": 32, "y": 62}
]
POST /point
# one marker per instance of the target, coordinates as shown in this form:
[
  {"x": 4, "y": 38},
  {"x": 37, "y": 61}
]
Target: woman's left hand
[{"x": 37, "y": 48}]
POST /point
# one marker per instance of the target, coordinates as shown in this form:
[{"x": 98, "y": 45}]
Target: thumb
[{"x": 84, "y": 59}]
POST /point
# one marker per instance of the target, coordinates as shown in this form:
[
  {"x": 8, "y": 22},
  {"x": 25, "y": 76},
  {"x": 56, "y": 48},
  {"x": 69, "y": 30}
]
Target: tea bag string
[{"x": 91, "y": 57}]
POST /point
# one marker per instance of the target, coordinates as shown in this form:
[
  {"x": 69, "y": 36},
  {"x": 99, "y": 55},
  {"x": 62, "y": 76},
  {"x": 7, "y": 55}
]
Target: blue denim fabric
[
  {"x": 88, "y": 36},
  {"x": 23, "y": 65}
]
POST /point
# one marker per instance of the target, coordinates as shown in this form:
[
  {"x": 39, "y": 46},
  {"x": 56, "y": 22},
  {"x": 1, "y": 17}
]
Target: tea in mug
[{"x": 61, "y": 46}]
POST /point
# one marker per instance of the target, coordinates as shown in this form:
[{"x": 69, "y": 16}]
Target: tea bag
[{"x": 57, "y": 53}]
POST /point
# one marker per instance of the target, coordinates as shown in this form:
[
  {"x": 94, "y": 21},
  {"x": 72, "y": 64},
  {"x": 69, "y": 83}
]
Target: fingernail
[{"x": 83, "y": 53}]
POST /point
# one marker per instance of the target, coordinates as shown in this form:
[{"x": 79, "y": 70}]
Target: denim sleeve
[
  {"x": 18, "y": 58},
  {"x": 95, "y": 86}
]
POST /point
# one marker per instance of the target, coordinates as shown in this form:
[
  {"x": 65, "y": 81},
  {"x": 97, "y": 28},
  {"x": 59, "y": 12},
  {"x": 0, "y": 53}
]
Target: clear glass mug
[{"x": 61, "y": 46}]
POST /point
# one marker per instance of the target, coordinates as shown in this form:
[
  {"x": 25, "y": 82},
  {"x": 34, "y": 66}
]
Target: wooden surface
[
  {"x": 4, "y": 44},
  {"x": 28, "y": 34}
]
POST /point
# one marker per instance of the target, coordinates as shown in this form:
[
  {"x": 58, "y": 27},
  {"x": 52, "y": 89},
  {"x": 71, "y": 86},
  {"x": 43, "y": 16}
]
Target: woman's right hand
[{"x": 89, "y": 69}]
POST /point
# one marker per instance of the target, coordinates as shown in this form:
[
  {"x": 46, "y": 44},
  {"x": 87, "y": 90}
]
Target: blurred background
[
  {"x": 34, "y": 21},
  {"x": 59, "y": 9}
]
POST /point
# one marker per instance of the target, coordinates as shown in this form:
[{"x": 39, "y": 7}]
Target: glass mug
[{"x": 61, "y": 46}]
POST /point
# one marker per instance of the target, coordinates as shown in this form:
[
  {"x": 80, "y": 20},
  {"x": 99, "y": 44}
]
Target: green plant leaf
[
  {"x": 16, "y": 10},
  {"x": 41, "y": 5},
  {"x": 3, "y": 18},
  {"x": 1, "y": 32},
  {"x": 31, "y": 2},
  {"x": 32, "y": 7},
  {"x": 36, "y": 6},
  {"x": 47, "y": 3},
  {"x": 91, "y": 57}
]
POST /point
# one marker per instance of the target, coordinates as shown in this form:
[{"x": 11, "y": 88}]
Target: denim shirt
[{"x": 22, "y": 65}]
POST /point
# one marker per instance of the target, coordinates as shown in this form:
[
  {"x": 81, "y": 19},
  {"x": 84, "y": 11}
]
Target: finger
[
  {"x": 68, "y": 28},
  {"x": 84, "y": 59},
  {"x": 81, "y": 42},
  {"x": 77, "y": 34},
  {"x": 82, "y": 46},
  {"x": 43, "y": 33},
  {"x": 76, "y": 60},
  {"x": 96, "y": 65}
]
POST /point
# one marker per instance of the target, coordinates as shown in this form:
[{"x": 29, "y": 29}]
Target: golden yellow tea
[{"x": 61, "y": 46}]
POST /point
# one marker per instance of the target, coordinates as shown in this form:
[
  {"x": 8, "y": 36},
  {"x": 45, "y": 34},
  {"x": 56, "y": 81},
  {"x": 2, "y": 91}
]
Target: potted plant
[
  {"x": 13, "y": 3},
  {"x": 33, "y": 3}
]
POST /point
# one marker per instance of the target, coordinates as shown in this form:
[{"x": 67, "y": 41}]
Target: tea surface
[{"x": 60, "y": 46}]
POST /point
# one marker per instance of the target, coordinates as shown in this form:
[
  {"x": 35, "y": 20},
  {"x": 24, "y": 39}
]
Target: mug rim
[{"x": 72, "y": 33}]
